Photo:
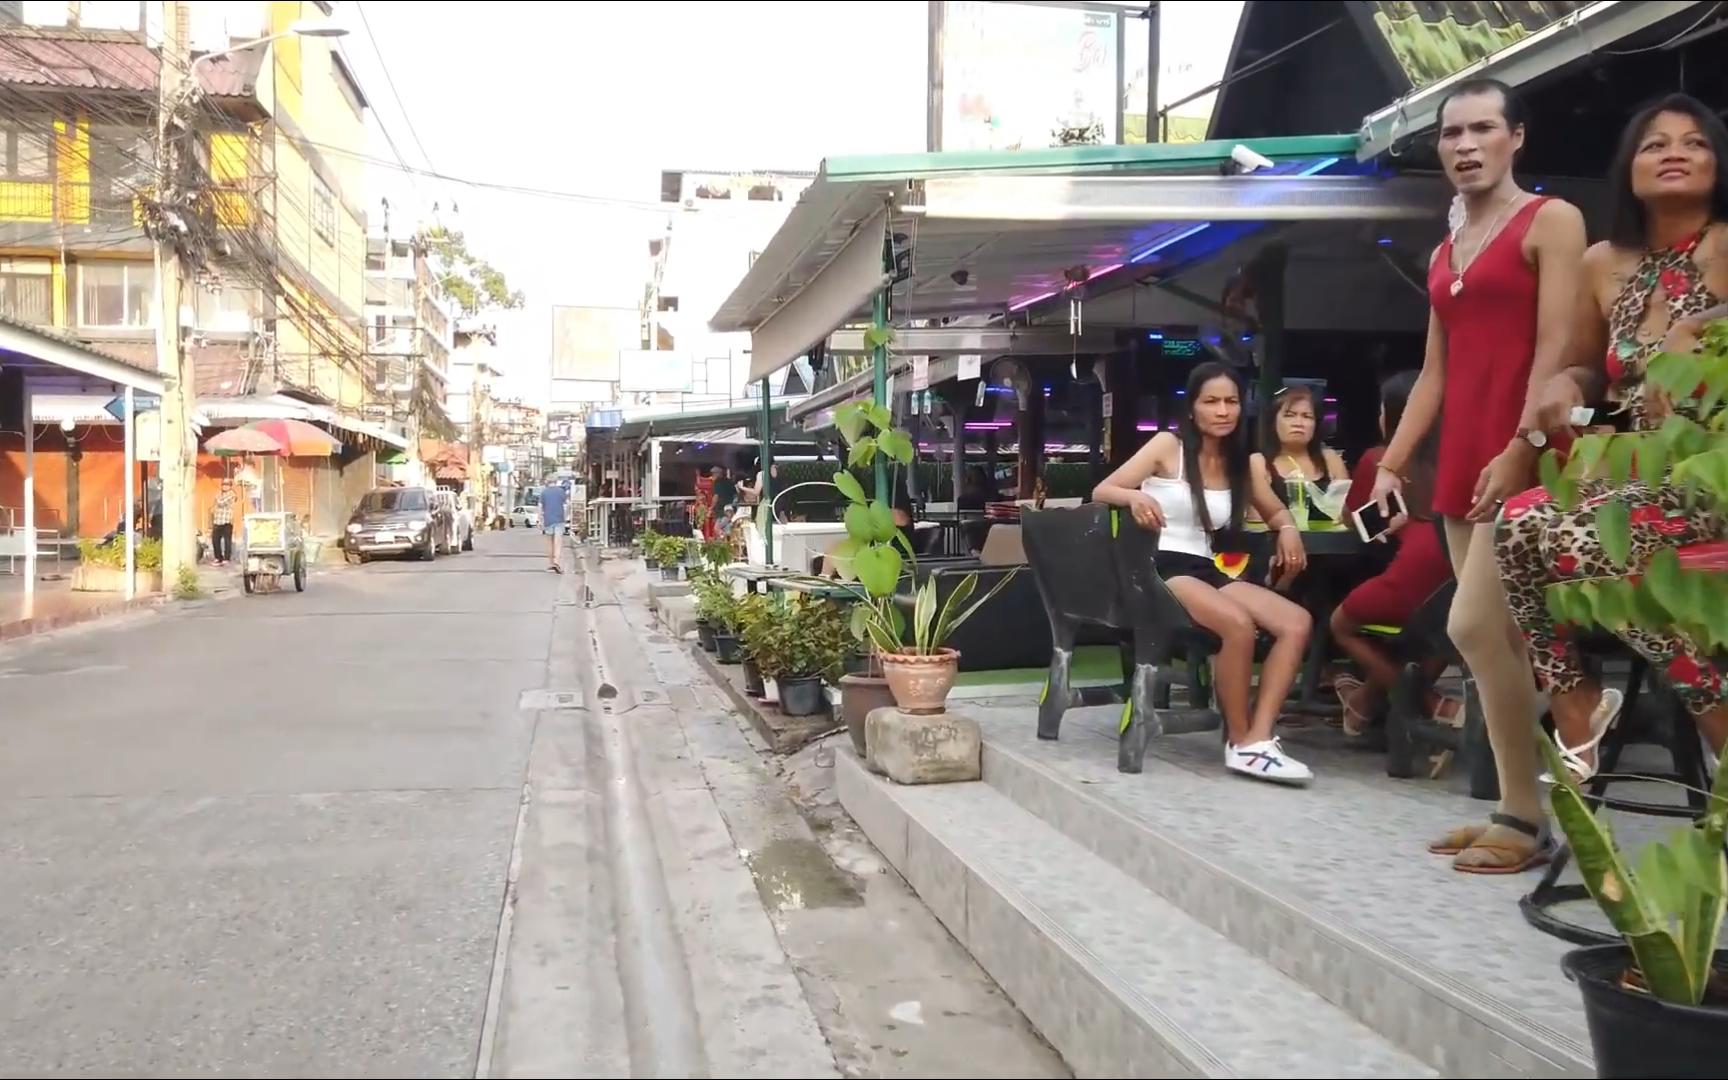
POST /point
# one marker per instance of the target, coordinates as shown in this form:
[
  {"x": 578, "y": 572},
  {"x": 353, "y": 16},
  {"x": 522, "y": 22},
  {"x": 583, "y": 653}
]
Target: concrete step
[
  {"x": 1119, "y": 980},
  {"x": 1331, "y": 886}
]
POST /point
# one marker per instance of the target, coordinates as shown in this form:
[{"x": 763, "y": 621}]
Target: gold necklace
[{"x": 1488, "y": 234}]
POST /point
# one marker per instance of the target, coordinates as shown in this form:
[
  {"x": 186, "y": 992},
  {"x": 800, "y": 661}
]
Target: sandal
[
  {"x": 1352, "y": 721},
  {"x": 1606, "y": 715},
  {"x": 1503, "y": 857},
  {"x": 1457, "y": 840},
  {"x": 1449, "y": 712}
]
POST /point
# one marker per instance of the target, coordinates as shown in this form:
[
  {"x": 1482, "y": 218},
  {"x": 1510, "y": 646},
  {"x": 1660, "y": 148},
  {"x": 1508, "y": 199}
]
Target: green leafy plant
[
  {"x": 666, "y": 550},
  {"x": 1688, "y": 452},
  {"x": 715, "y": 604},
  {"x": 186, "y": 583},
  {"x": 716, "y": 553},
  {"x": 92, "y": 552},
  {"x": 755, "y": 617},
  {"x": 1669, "y": 907},
  {"x": 793, "y": 637}
]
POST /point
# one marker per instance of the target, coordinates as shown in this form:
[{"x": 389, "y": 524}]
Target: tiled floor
[{"x": 1352, "y": 845}]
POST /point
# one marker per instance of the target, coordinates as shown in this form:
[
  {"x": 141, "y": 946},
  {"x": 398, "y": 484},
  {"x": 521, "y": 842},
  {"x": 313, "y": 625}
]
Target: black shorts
[{"x": 1173, "y": 564}]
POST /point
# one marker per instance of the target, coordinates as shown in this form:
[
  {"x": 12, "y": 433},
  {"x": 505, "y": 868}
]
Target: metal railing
[
  {"x": 60, "y": 202},
  {"x": 15, "y": 540}
]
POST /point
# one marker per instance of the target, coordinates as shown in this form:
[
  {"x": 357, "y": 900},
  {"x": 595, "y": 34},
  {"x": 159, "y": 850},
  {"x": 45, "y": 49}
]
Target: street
[{"x": 394, "y": 826}]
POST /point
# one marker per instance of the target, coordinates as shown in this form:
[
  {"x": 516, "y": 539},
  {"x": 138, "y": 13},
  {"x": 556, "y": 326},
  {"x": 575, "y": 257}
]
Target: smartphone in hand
[{"x": 1371, "y": 524}]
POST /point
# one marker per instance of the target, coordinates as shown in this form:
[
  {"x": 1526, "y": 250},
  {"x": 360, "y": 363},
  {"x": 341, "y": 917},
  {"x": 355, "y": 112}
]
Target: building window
[
  {"x": 323, "y": 210},
  {"x": 27, "y": 290},
  {"x": 116, "y": 294},
  {"x": 26, "y": 149}
]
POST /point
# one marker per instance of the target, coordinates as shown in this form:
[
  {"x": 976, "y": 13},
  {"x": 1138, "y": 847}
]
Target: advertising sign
[
  {"x": 646, "y": 370},
  {"x": 586, "y": 341},
  {"x": 1016, "y": 76}
]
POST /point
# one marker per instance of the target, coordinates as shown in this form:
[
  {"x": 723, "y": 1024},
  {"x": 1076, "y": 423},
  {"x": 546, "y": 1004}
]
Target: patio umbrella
[
  {"x": 241, "y": 440},
  {"x": 294, "y": 438}
]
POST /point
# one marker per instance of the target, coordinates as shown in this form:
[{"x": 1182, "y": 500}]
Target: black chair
[
  {"x": 1666, "y": 724},
  {"x": 1095, "y": 568},
  {"x": 1009, "y": 632},
  {"x": 1409, "y": 729}
]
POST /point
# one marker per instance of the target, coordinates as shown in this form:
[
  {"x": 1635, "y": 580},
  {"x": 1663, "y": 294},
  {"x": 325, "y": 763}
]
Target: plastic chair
[{"x": 1095, "y": 568}]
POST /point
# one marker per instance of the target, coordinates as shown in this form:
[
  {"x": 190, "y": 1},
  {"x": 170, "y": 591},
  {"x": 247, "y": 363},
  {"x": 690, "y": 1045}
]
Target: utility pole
[{"x": 178, "y": 462}]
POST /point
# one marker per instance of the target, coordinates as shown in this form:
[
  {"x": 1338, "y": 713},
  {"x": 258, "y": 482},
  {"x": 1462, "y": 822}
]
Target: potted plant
[
  {"x": 669, "y": 555},
  {"x": 102, "y": 567},
  {"x": 1656, "y": 1004},
  {"x": 650, "y": 552},
  {"x": 921, "y": 672},
  {"x": 716, "y": 554},
  {"x": 723, "y": 611},
  {"x": 712, "y": 595},
  {"x": 797, "y": 642},
  {"x": 755, "y": 615}
]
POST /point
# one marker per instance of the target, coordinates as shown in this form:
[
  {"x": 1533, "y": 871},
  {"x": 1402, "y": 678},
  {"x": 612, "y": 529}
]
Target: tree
[{"x": 472, "y": 283}]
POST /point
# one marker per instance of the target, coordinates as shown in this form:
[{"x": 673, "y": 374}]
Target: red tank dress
[{"x": 1490, "y": 345}]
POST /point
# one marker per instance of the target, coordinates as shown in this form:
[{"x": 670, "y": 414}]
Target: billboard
[
  {"x": 586, "y": 341},
  {"x": 645, "y": 370},
  {"x": 1424, "y": 42},
  {"x": 1017, "y": 76}
]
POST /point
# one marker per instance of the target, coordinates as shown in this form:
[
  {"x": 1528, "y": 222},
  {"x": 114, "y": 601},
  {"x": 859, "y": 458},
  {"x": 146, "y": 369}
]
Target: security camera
[{"x": 1248, "y": 160}]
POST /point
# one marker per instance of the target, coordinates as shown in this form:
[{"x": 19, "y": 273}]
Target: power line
[{"x": 391, "y": 81}]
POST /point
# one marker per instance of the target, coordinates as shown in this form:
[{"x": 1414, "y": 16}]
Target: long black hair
[
  {"x": 1233, "y": 445},
  {"x": 1627, "y": 220},
  {"x": 1273, "y": 447}
]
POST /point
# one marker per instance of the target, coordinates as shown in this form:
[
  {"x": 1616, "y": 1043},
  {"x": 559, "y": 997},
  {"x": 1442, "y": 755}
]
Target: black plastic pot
[
  {"x": 753, "y": 679},
  {"x": 1636, "y": 1035},
  {"x": 705, "y": 635},
  {"x": 801, "y": 697},
  {"x": 651, "y": 562},
  {"x": 727, "y": 648},
  {"x": 669, "y": 573}
]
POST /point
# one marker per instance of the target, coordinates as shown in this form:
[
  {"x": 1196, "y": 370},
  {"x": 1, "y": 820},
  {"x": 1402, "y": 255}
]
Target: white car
[{"x": 527, "y": 516}]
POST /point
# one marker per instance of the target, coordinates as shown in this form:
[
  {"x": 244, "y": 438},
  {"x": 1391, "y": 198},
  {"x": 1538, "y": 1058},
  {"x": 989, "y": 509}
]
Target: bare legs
[{"x": 1235, "y": 614}]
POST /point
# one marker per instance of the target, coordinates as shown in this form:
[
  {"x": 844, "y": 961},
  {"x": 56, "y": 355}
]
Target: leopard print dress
[{"x": 1538, "y": 544}]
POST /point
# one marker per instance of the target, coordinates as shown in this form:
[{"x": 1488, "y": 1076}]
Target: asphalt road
[{"x": 270, "y": 835}]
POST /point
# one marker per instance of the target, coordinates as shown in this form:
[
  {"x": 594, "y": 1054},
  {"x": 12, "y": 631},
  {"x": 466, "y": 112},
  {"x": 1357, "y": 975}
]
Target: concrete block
[
  {"x": 939, "y": 749},
  {"x": 657, "y": 589},
  {"x": 677, "y": 614}
]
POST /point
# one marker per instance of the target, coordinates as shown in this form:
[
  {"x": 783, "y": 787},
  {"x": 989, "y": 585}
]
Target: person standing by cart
[{"x": 222, "y": 523}]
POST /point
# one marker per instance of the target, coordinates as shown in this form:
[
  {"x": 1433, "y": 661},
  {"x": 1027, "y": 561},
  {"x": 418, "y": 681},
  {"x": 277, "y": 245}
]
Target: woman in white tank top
[{"x": 1189, "y": 488}]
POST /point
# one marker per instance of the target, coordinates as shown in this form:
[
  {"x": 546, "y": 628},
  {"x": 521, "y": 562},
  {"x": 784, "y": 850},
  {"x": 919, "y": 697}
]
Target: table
[{"x": 1324, "y": 545}]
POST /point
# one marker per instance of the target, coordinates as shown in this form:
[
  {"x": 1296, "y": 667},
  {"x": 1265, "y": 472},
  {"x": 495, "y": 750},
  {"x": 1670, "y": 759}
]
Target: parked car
[
  {"x": 465, "y": 522},
  {"x": 526, "y": 515},
  {"x": 395, "y": 521}
]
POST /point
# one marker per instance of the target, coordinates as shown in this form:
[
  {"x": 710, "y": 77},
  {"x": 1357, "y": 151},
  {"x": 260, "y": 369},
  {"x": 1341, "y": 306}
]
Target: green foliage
[
  {"x": 715, "y": 603},
  {"x": 186, "y": 584},
  {"x": 1669, "y": 907},
  {"x": 1689, "y": 452},
  {"x": 716, "y": 553},
  {"x": 666, "y": 550},
  {"x": 793, "y": 636},
  {"x": 93, "y": 552},
  {"x": 472, "y": 283}
]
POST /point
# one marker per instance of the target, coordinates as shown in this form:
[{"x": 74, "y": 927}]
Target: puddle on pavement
[{"x": 796, "y": 874}]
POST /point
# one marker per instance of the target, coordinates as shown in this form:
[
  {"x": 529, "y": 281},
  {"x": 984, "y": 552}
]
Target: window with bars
[
  {"x": 27, "y": 290},
  {"x": 26, "y": 148},
  {"x": 116, "y": 294},
  {"x": 323, "y": 210}
]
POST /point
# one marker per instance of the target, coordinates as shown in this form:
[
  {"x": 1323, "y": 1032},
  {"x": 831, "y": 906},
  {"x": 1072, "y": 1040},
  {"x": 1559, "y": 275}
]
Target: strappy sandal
[
  {"x": 1457, "y": 839},
  {"x": 1508, "y": 858},
  {"x": 1606, "y": 715},
  {"x": 1350, "y": 719}
]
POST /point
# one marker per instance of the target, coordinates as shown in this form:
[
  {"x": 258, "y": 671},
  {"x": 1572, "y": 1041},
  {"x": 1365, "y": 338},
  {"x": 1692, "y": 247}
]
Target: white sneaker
[{"x": 1266, "y": 761}]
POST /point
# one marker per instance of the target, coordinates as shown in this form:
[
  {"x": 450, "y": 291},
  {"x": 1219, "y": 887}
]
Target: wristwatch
[{"x": 1534, "y": 436}]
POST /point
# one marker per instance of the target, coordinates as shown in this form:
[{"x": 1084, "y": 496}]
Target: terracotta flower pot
[{"x": 920, "y": 684}]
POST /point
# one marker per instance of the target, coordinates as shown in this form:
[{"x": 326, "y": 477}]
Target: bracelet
[
  {"x": 1381, "y": 466},
  {"x": 1281, "y": 528}
]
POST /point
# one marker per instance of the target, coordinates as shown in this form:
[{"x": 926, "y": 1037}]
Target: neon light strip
[{"x": 1028, "y": 302}]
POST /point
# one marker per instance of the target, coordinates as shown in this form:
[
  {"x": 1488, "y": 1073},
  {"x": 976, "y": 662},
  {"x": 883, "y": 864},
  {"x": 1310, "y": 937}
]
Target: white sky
[{"x": 598, "y": 98}]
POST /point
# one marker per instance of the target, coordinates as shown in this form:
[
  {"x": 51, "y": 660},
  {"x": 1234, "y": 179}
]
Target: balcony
[{"x": 48, "y": 213}]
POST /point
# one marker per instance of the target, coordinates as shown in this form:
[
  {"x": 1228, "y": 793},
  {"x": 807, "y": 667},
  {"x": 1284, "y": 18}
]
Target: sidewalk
[{"x": 57, "y": 606}]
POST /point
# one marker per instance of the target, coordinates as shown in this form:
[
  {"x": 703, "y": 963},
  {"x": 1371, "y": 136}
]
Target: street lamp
[{"x": 308, "y": 28}]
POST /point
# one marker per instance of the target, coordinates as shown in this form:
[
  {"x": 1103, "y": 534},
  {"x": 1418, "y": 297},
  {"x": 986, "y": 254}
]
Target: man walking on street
[
  {"x": 222, "y": 523},
  {"x": 553, "y": 500}
]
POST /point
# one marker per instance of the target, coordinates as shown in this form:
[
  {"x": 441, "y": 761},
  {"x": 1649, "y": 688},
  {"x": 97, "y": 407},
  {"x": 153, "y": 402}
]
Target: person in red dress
[{"x": 1502, "y": 288}]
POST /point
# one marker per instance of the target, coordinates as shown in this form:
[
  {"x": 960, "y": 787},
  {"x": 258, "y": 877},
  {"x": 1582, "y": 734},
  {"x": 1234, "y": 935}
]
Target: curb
[
  {"x": 16, "y": 629},
  {"x": 783, "y": 734}
]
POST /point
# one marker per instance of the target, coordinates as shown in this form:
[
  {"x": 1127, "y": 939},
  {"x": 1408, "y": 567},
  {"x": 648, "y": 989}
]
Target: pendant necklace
[{"x": 1458, "y": 274}]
